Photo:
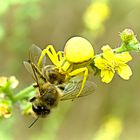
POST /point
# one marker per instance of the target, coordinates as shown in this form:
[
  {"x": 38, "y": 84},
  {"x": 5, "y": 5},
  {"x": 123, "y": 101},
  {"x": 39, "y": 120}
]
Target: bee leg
[
  {"x": 78, "y": 71},
  {"x": 35, "y": 85},
  {"x": 50, "y": 51},
  {"x": 32, "y": 99}
]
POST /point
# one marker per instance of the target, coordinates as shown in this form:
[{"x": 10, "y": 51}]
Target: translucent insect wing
[
  {"x": 35, "y": 53},
  {"x": 29, "y": 69},
  {"x": 36, "y": 74},
  {"x": 72, "y": 88}
]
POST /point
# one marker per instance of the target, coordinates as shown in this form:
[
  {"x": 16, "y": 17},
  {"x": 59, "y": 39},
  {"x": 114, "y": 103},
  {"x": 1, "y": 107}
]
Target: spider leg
[
  {"x": 78, "y": 71},
  {"x": 50, "y": 51},
  {"x": 60, "y": 55}
]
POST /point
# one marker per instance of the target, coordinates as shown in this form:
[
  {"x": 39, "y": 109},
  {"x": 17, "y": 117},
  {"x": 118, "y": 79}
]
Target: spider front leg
[
  {"x": 78, "y": 71},
  {"x": 50, "y": 51},
  {"x": 60, "y": 55}
]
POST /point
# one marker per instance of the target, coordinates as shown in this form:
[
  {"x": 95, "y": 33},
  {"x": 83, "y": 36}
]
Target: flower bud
[{"x": 127, "y": 35}]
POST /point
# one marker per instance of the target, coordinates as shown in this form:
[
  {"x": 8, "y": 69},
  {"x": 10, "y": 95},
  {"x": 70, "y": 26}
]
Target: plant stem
[
  {"x": 128, "y": 47},
  {"x": 24, "y": 93}
]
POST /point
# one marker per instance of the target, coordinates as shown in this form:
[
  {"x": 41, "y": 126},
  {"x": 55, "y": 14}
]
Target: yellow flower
[
  {"x": 110, "y": 130},
  {"x": 3, "y": 81},
  {"x": 11, "y": 81},
  {"x": 95, "y": 15},
  {"x": 27, "y": 109},
  {"x": 5, "y": 110},
  {"x": 110, "y": 62}
]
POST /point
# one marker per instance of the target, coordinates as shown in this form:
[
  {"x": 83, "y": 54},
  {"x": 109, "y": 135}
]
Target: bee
[
  {"x": 51, "y": 89},
  {"x": 48, "y": 95}
]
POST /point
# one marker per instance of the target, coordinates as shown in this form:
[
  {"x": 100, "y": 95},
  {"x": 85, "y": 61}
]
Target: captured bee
[
  {"x": 52, "y": 89},
  {"x": 48, "y": 95}
]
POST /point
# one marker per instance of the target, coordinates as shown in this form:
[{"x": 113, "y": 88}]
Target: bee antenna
[{"x": 33, "y": 122}]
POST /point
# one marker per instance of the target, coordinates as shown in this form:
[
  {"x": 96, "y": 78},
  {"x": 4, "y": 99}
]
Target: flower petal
[
  {"x": 124, "y": 71},
  {"x": 123, "y": 57},
  {"x": 106, "y": 48},
  {"x": 106, "y": 76},
  {"x": 108, "y": 53},
  {"x": 99, "y": 62}
]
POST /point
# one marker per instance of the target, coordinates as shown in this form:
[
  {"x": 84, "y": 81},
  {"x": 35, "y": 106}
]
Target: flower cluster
[
  {"x": 110, "y": 62},
  {"x": 95, "y": 15},
  {"x": 5, "y": 108},
  {"x": 110, "y": 130},
  {"x": 8, "y": 98}
]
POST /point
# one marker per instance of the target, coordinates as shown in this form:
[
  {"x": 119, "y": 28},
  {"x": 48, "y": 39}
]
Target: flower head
[
  {"x": 26, "y": 108},
  {"x": 95, "y": 15},
  {"x": 3, "y": 81},
  {"x": 10, "y": 82},
  {"x": 110, "y": 62},
  {"x": 5, "y": 109},
  {"x": 13, "y": 82},
  {"x": 110, "y": 130}
]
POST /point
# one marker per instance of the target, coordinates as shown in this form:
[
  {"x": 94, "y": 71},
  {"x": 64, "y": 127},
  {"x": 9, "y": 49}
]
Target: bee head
[{"x": 40, "y": 110}]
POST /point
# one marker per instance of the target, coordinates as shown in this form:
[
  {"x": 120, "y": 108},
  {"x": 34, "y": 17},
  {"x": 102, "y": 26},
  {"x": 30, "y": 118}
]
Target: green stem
[
  {"x": 24, "y": 93},
  {"x": 120, "y": 49},
  {"x": 128, "y": 47}
]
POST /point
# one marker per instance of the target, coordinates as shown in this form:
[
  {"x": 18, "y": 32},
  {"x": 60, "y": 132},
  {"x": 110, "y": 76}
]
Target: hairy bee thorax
[{"x": 54, "y": 76}]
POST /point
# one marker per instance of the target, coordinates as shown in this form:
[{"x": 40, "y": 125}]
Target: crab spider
[{"x": 77, "y": 51}]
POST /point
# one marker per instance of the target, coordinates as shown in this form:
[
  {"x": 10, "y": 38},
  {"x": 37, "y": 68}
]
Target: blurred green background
[{"x": 113, "y": 112}]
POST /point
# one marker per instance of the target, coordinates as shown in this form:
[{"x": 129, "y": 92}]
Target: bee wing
[
  {"x": 73, "y": 87},
  {"x": 35, "y": 72},
  {"x": 35, "y": 53},
  {"x": 29, "y": 69}
]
